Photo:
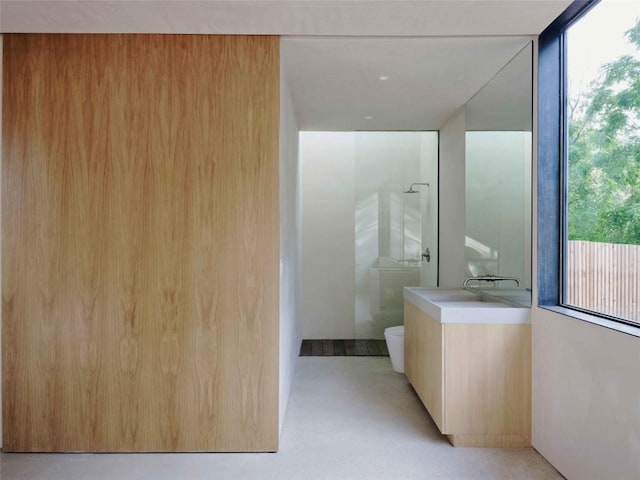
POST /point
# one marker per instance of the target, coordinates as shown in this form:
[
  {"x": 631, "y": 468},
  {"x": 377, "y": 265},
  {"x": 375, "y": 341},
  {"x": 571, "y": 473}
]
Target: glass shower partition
[{"x": 391, "y": 225}]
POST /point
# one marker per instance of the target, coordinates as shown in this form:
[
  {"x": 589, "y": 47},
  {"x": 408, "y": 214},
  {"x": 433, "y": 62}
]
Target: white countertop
[{"x": 449, "y": 305}]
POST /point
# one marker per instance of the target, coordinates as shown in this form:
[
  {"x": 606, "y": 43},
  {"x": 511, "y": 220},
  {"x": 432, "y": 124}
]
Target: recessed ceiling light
[
  {"x": 383, "y": 77},
  {"x": 368, "y": 117}
]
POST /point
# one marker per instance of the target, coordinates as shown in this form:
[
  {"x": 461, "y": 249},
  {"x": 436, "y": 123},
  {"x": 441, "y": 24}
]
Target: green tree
[{"x": 604, "y": 154}]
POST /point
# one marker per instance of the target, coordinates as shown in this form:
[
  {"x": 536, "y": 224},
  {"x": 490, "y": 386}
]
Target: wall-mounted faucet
[
  {"x": 411, "y": 190},
  {"x": 490, "y": 278}
]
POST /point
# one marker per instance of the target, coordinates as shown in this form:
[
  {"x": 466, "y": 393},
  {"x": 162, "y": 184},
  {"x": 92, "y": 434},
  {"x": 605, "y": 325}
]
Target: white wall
[
  {"x": 290, "y": 244},
  {"x": 328, "y": 235},
  {"x": 586, "y": 398},
  {"x": 452, "y": 201}
]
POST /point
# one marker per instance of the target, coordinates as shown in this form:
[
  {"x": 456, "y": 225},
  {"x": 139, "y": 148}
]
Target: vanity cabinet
[{"x": 474, "y": 379}]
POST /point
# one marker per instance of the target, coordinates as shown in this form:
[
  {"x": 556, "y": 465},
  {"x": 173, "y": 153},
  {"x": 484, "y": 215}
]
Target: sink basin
[{"x": 462, "y": 306}]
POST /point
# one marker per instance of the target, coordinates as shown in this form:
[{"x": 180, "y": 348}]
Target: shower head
[{"x": 411, "y": 190}]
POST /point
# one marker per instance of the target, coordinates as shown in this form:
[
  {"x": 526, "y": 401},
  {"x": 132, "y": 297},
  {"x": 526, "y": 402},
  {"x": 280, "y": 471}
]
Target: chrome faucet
[{"x": 490, "y": 278}]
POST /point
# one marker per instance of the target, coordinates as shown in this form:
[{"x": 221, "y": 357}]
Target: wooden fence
[{"x": 604, "y": 277}]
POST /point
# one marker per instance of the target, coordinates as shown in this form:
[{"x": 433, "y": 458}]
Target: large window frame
[{"x": 552, "y": 191}]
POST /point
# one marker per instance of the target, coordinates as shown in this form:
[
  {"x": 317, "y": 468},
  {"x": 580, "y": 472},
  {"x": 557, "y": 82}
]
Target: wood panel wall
[{"x": 140, "y": 243}]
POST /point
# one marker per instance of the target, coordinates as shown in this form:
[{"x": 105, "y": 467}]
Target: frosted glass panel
[{"x": 388, "y": 223}]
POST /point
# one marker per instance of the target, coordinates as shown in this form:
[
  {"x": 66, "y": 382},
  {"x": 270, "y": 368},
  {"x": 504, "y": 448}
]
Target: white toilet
[{"x": 395, "y": 344}]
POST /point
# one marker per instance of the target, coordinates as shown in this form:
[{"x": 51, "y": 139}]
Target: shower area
[
  {"x": 374, "y": 196},
  {"x": 393, "y": 180}
]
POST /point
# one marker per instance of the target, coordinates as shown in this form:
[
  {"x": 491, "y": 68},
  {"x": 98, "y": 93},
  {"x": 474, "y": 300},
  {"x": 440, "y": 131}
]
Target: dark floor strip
[
  {"x": 361, "y": 348},
  {"x": 372, "y": 348},
  {"x": 316, "y": 348},
  {"x": 341, "y": 348},
  {"x": 305, "y": 349},
  {"x": 382, "y": 345},
  {"x": 350, "y": 347}
]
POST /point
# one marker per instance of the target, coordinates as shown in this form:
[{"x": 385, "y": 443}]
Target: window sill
[{"x": 602, "y": 322}]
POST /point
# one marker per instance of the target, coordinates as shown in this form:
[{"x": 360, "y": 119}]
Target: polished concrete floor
[{"x": 348, "y": 418}]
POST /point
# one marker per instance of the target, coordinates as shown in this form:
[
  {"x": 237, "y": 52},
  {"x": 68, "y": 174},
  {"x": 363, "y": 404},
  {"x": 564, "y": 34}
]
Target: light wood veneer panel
[
  {"x": 474, "y": 379},
  {"x": 140, "y": 243},
  {"x": 424, "y": 360},
  {"x": 488, "y": 382}
]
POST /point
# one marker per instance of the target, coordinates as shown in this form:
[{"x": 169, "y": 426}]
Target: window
[
  {"x": 602, "y": 221},
  {"x": 589, "y": 170}
]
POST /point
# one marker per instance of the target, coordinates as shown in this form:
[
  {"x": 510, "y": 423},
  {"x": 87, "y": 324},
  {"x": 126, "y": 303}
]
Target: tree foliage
[{"x": 604, "y": 154}]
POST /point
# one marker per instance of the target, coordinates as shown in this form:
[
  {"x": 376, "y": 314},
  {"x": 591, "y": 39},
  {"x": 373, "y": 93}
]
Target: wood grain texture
[
  {"x": 140, "y": 243},
  {"x": 424, "y": 360},
  {"x": 474, "y": 379},
  {"x": 488, "y": 383}
]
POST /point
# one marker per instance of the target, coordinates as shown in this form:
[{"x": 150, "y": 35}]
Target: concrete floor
[{"x": 348, "y": 418}]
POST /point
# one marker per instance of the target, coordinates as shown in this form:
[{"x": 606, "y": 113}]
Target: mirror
[{"x": 498, "y": 181}]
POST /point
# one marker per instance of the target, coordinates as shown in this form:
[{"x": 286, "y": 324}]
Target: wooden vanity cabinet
[{"x": 474, "y": 379}]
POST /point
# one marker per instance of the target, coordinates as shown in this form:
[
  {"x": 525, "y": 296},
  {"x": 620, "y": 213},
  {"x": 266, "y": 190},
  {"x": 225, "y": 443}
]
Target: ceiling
[
  {"x": 282, "y": 17},
  {"x": 505, "y": 102},
  {"x": 335, "y": 82},
  {"x": 436, "y": 53}
]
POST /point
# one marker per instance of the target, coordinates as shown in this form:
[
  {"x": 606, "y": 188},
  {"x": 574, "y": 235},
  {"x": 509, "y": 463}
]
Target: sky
[{"x": 598, "y": 38}]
